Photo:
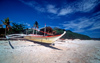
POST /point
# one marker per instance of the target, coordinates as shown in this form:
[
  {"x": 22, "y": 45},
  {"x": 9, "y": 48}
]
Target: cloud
[
  {"x": 78, "y": 25},
  {"x": 64, "y": 9},
  {"x": 40, "y": 9},
  {"x": 52, "y": 9},
  {"x": 83, "y": 24},
  {"x": 34, "y": 5},
  {"x": 30, "y": 3},
  {"x": 86, "y": 5},
  {"x": 95, "y": 26},
  {"x": 96, "y": 19},
  {"x": 27, "y": 24}
]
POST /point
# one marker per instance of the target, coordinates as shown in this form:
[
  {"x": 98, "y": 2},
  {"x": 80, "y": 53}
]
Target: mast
[
  {"x": 36, "y": 31},
  {"x": 45, "y": 29},
  {"x": 33, "y": 30}
]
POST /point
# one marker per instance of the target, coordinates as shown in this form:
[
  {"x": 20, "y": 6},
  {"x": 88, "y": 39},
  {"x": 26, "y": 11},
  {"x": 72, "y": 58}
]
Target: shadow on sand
[
  {"x": 45, "y": 44},
  {"x": 11, "y": 45}
]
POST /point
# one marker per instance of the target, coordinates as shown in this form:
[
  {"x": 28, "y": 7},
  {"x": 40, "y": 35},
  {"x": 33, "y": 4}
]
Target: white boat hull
[{"x": 44, "y": 39}]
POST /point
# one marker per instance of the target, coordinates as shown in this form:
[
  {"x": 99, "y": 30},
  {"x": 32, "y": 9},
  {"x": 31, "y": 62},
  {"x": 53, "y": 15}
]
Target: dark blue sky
[{"x": 80, "y": 16}]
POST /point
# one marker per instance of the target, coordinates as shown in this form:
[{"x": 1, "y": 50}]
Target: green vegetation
[
  {"x": 7, "y": 23},
  {"x": 58, "y": 30},
  {"x": 2, "y": 32},
  {"x": 36, "y": 25},
  {"x": 18, "y": 28},
  {"x": 70, "y": 35}
]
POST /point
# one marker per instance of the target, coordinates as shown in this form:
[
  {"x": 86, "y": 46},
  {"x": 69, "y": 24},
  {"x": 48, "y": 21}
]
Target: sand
[{"x": 64, "y": 51}]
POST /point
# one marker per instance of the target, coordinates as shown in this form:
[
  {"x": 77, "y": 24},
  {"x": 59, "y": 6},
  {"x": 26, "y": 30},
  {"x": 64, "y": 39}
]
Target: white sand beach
[{"x": 64, "y": 51}]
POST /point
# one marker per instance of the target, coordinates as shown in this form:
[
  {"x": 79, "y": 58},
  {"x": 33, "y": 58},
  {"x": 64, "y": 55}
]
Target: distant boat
[{"x": 44, "y": 39}]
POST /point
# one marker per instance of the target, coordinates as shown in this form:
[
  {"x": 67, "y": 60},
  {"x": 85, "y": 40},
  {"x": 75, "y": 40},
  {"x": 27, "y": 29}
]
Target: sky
[{"x": 79, "y": 16}]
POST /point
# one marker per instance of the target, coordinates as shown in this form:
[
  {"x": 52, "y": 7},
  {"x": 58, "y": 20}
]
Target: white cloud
[
  {"x": 95, "y": 26},
  {"x": 22, "y": 22},
  {"x": 81, "y": 5},
  {"x": 40, "y": 9},
  {"x": 83, "y": 24},
  {"x": 34, "y": 5},
  {"x": 96, "y": 19},
  {"x": 86, "y": 5},
  {"x": 65, "y": 11},
  {"x": 30, "y": 3},
  {"x": 47, "y": 8},
  {"x": 27, "y": 24},
  {"x": 52, "y": 9}
]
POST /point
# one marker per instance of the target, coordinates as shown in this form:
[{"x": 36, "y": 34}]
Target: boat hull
[
  {"x": 41, "y": 39},
  {"x": 44, "y": 39}
]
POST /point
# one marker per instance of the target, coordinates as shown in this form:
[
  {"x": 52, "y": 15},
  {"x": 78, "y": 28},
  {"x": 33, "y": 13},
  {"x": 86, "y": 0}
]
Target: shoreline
[{"x": 58, "y": 39}]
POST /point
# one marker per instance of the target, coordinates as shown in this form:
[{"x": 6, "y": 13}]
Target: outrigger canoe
[
  {"x": 44, "y": 39},
  {"x": 37, "y": 38}
]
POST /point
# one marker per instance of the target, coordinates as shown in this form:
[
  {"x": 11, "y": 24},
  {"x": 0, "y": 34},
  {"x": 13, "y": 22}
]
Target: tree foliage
[
  {"x": 36, "y": 25},
  {"x": 18, "y": 28},
  {"x": 7, "y": 23},
  {"x": 2, "y": 32},
  {"x": 58, "y": 30}
]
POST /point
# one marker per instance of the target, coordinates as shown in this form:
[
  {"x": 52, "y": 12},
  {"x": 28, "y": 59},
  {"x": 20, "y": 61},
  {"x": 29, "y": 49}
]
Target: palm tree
[
  {"x": 7, "y": 23},
  {"x": 36, "y": 26}
]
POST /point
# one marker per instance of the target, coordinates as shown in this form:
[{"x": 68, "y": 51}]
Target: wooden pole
[
  {"x": 33, "y": 30},
  {"x": 45, "y": 29},
  {"x": 36, "y": 31}
]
